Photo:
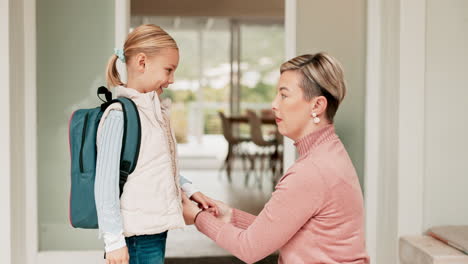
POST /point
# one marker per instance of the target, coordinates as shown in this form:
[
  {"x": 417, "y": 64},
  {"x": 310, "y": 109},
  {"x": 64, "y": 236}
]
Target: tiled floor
[{"x": 188, "y": 242}]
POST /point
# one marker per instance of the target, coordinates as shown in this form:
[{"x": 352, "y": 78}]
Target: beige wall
[
  {"x": 446, "y": 114},
  {"x": 230, "y": 8},
  {"x": 338, "y": 27}
]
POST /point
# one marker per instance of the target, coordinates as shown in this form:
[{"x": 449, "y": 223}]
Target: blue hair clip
[{"x": 120, "y": 54}]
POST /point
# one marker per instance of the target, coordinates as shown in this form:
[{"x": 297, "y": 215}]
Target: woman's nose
[{"x": 274, "y": 105}]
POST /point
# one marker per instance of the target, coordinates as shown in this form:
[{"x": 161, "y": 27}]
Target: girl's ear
[{"x": 140, "y": 60}]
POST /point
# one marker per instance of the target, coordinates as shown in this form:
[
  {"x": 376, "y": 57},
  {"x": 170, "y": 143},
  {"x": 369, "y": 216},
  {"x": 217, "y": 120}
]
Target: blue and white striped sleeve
[
  {"x": 106, "y": 187},
  {"x": 187, "y": 186}
]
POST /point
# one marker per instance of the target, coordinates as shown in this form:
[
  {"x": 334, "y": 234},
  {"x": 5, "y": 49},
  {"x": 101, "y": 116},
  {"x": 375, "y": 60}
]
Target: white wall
[
  {"x": 339, "y": 28},
  {"x": 446, "y": 100}
]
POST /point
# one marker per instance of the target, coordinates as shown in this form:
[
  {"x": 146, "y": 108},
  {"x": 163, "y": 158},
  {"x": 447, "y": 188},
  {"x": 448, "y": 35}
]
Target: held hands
[
  {"x": 190, "y": 210},
  {"x": 223, "y": 212},
  {"x": 118, "y": 256},
  {"x": 204, "y": 202}
]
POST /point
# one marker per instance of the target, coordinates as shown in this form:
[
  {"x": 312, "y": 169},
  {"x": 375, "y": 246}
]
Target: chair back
[
  {"x": 256, "y": 129},
  {"x": 227, "y": 128}
]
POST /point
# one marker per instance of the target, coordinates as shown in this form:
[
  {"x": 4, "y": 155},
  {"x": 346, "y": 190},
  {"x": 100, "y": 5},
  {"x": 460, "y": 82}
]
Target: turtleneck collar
[{"x": 312, "y": 140}]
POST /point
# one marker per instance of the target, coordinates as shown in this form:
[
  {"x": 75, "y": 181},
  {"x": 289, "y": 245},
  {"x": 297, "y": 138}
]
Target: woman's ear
[
  {"x": 140, "y": 61},
  {"x": 319, "y": 105}
]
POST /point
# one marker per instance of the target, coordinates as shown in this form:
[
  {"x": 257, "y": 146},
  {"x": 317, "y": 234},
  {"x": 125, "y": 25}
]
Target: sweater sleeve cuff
[
  {"x": 208, "y": 225},
  {"x": 241, "y": 219},
  {"x": 113, "y": 242}
]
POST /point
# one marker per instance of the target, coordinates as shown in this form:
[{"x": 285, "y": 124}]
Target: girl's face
[
  {"x": 158, "y": 71},
  {"x": 292, "y": 111}
]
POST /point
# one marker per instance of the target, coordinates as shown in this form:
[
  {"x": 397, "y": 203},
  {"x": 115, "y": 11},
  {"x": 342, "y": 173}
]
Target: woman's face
[{"x": 292, "y": 111}]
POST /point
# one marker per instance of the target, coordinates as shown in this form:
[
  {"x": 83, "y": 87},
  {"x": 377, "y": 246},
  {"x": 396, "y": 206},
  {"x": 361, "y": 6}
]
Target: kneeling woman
[{"x": 315, "y": 214}]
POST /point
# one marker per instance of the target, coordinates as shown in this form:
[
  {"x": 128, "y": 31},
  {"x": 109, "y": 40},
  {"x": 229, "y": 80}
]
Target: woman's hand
[
  {"x": 190, "y": 210},
  {"x": 118, "y": 256},
  {"x": 204, "y": 202},
  {"x": 224, "y": 212}
]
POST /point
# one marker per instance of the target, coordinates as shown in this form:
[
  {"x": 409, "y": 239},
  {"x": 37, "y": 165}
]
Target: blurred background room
[{"x": 403, "y": 121}]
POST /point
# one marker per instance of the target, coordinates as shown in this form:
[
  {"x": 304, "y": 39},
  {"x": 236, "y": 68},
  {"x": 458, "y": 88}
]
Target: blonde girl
[{"x": 135, "y": 227}]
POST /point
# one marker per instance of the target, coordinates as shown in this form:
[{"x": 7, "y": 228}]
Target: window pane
[{"x": 262, "y": 52}]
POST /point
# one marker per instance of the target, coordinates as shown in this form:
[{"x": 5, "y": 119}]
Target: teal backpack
[{"x": 82, "y": 138}]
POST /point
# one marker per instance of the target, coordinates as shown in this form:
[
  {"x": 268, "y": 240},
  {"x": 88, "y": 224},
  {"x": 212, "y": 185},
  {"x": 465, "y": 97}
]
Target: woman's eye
[
  {"x": 283, "y": 96},
  {"x": 169, "y": 70}
]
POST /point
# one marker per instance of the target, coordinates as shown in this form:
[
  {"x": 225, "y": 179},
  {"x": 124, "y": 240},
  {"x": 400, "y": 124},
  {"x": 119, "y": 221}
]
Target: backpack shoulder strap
[{"x": 131, "y": 139}]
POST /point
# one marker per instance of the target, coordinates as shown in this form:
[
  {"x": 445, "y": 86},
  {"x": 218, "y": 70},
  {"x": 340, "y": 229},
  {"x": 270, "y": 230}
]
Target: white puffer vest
[{"x": 151, "y": 198}]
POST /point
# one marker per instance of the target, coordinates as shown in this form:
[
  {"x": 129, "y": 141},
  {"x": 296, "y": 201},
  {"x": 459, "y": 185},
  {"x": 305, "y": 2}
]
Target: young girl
[{"x": 135, "y": 227}]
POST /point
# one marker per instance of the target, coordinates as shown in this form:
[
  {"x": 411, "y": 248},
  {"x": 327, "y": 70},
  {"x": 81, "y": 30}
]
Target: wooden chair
[
  {"x": 234, "y": 145},
  {"x": 269, "y": 150}
]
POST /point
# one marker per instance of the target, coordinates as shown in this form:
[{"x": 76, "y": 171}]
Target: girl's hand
[
  {"x": 118, "y": 256},
  {"x": 190, "y": 210},
  {"x": 206, "y": 203}
]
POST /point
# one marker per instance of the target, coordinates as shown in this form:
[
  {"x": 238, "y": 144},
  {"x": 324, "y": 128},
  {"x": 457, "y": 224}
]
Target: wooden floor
[{"x": 218, "y": 260}]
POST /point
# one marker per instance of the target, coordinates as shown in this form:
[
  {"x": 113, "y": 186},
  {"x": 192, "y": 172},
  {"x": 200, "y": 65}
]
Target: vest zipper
[{"x": 168, "y": 146}]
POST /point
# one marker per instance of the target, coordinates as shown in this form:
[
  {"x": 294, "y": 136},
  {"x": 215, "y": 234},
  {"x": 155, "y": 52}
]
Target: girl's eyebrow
[
  {"x": 172, "y": 65},
  {"x": 283, "y": 88}
]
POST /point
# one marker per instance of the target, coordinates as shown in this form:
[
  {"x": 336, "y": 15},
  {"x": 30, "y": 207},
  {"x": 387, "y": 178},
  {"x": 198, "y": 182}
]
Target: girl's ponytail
[{"x": 112, "y": 75}]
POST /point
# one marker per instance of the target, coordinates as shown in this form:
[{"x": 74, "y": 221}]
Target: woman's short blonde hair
[
  {"x": 148, "y": 39},
  {"x": 322, "y": 75}
]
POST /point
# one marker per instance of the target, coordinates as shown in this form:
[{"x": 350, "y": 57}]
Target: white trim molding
[
  {"x": 30, "y": 133},
  {"x": 290, "y": 25},
  {"x": 122, "y": 26},
  {"x": 5, "y": 156},
  {"x": 372, "y": 127}
]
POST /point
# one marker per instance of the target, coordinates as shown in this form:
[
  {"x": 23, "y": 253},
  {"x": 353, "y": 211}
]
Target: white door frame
[
  {"x": 33, "y": 255},
  {"x": 394, "y": 161},
  {"x": 290, "y": 8},
  {"x": 5, "y": 157},
  {"x": 371, "y": 150}
]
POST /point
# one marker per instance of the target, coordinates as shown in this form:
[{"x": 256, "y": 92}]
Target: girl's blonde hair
[
  {"x": 148, "y": 39},
  {"x": 322, "y": 75}
]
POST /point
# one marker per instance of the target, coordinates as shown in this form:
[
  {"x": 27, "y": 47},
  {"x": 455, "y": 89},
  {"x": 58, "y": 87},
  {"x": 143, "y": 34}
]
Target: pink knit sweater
[{"x": 315, "y": 214}]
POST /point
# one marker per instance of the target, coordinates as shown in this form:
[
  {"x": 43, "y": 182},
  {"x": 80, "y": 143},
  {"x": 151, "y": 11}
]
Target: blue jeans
[{"x": 147, "y": 249}]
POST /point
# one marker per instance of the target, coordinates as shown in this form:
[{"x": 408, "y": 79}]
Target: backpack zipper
[{"x": 83, "y": 136}]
